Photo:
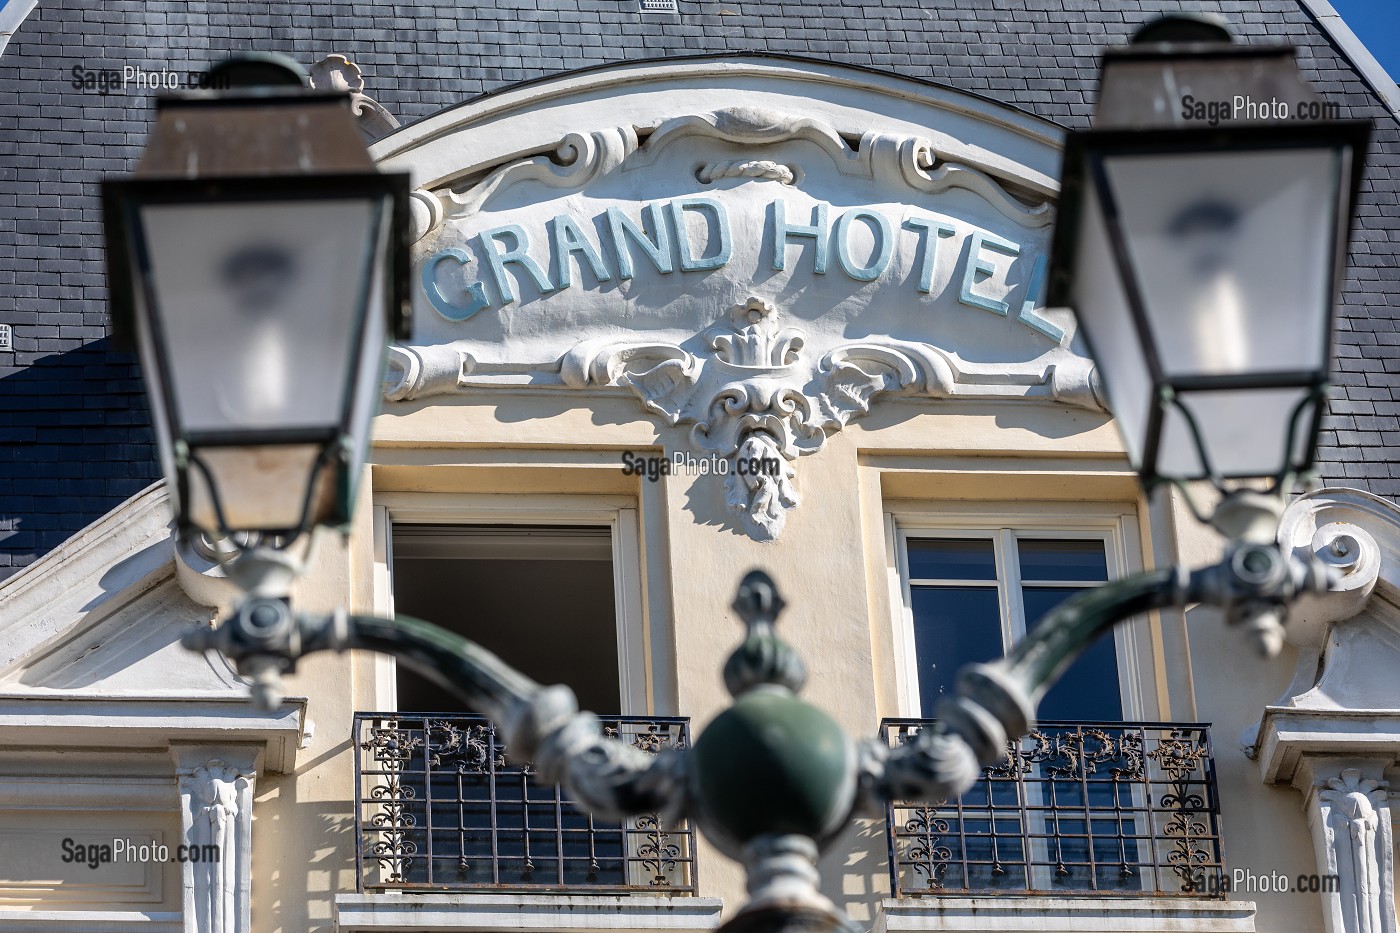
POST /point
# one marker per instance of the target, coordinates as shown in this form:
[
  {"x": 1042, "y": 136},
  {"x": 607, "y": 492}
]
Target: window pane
[
  {"x": 1046, "y": 561},
  {"x": 953, "y": 626},
  {"x": 951, "y": 559},
  {"x": 540, "y": 597},
  {"x": 1089, "y": 689}
]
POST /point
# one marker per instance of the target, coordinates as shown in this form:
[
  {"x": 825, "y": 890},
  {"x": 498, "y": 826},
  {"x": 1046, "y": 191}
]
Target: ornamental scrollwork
[
  {"x": 761, "y": 402},
  {"x": 472, "y": 746},
  {"x": 657, "y": 854},
  {"x": 919, "y": 163},
  {"x": 927, "y": 853}
]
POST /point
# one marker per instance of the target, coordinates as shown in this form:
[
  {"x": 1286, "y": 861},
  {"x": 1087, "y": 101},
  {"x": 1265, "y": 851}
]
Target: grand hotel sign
[{"x": 757, "y": 249}]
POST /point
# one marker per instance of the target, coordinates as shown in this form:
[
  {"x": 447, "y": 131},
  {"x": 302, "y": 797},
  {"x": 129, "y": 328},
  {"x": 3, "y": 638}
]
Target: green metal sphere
[{"x": 772, "y": 763}]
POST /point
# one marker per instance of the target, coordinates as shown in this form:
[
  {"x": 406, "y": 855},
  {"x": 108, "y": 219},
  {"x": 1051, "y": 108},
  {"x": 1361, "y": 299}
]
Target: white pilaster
[
  {"x": 216, "y": 809},
  {"x": 1349, "y": 815}
]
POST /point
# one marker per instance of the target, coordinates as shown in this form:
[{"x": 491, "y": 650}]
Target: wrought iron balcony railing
[
  {"x": 438, "y": 807},
  {"x": 1114, "y": 808}
]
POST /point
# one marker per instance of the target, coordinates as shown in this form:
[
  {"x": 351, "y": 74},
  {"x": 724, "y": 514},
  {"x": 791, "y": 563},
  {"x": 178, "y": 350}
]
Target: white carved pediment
[
  {"x": 134, "y": 650},
  {"x": 90, "y": 654},
  {"x": 897, "y": 247}
]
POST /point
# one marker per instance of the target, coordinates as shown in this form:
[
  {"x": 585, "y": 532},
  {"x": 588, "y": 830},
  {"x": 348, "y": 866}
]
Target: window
[
  {"x": 972, "y": 597},
  {"x": 967, "y": 580},
  {"x": 540, "y": 597},
  {"x": 1085, "y": 803},
  {"x": 439, "y": 805}
]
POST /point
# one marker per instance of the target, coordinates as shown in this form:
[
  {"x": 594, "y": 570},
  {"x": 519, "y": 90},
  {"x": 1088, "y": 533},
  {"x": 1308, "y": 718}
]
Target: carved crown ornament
[{"x": 734, "y": 300}]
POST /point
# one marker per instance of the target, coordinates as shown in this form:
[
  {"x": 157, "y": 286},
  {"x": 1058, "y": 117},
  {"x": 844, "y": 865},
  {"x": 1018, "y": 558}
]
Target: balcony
[
  {"x": 438, "y": 808},
  {"x": 1104, "y": 808}
]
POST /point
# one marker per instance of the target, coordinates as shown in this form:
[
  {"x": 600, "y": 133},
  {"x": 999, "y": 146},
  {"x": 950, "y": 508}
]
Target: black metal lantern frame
[
  {"x": 137, "y": 323},
  {"x": 1084, "y": 158}
]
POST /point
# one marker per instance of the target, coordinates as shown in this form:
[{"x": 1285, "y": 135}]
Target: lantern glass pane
[
  {"x": 260, "y": 488},
  {"x": 1233, "y": 253},
  {"x": 1101, "y": 308},
  {"x": 258, "y": 306},
  {"x": 1244, "y": 432}
]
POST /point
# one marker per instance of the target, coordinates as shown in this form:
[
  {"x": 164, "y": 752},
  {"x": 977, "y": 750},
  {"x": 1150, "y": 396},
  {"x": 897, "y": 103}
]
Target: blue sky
[{"x": 1377, "y": 24}]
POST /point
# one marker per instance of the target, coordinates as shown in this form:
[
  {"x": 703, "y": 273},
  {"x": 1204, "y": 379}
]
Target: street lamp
[
  {"x": 1235, "y": 318},
  {"x": 258, "y": 262},
  {"x": 1201, "y": 243}
]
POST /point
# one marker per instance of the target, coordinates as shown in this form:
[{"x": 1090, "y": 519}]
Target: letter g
[{"x": 438, "y": 300}]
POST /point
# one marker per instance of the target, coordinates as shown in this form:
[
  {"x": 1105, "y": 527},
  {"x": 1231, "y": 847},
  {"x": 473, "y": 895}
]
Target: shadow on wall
[{"x": 75, "y": 441}]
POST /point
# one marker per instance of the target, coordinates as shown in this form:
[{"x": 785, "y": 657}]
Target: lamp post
[{"x": 1203, "y": 264}]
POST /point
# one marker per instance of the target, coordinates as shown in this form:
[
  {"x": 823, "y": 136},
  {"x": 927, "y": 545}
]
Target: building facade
[{"x": 696, "y": 290}]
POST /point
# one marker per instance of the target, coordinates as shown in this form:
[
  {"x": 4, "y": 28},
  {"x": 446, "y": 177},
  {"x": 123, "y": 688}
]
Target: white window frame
[
  {"x": 637, "y": 663},
  {"x": 1113, "y": 523}
]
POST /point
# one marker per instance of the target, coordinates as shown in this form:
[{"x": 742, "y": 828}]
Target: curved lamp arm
[
  {"x": 542, "y": 725},
  {"x": 996, "y": 702}
]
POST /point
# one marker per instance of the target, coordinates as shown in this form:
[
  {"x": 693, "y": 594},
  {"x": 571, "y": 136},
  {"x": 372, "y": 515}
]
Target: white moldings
[
  {"x": 575, "y": 161},
  {"x": 431, "y": 370},
  {"x": 749, "y": 168},
  {"x": 1344, "y": 698},
  {"x": 579, "y": 159},
  {"x": 134, "y": 650},
  {"x": 1002, "y": 914},
  {"x": 89, "y": 921},
  {"x": 1332, "y": 524},
  {"x": 1349, "y": 814},
  {"x": 216, "y": 798},
  {"x": 1336, "y": 729},
  {"x": 11, "y": 16},
  {"x": 529, "y": 913},
  {"x": 96, "y": 721},
  {"x": 90, "y": 654},
  {"x": 974, "y": 131},
  {"x": 127, "y": 794}
]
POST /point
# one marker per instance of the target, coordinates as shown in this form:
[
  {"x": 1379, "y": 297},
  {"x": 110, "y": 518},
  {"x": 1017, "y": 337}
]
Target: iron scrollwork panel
[
  {"x": 440, "y": 806},
  {"x": 1075, "y": 807}
]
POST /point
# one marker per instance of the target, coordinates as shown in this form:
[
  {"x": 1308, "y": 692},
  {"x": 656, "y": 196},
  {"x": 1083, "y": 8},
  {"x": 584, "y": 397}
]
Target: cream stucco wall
[{"x": 829, "y": 562}]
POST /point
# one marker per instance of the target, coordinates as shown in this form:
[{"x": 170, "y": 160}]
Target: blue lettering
[
  {"x": 782, "y": 230},
  {"x": 449, "y": 310},
  {"x": 977, "y": 266},
  {"x": 692, "y": 263},
  {"x": 1029, "y": 316},
  {"x": 940, "y": 231},
  {"x": 884, "y": 252},
  {"x": 517, "y": 254},
  {"x": 623, "y": 227},
  {"x": 570, "y": 238}
]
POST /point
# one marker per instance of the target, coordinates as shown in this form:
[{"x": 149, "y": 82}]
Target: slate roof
[{"x": 74, "y": 439}]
